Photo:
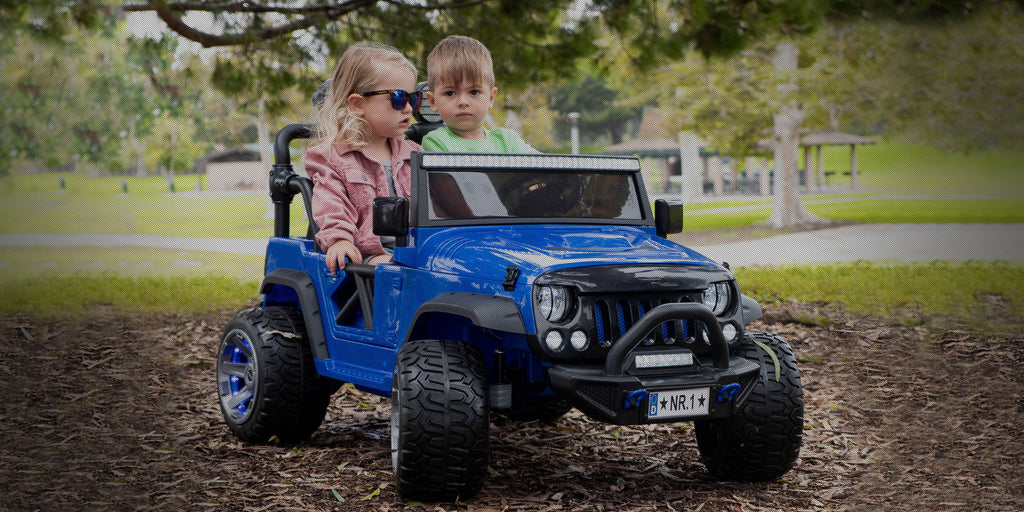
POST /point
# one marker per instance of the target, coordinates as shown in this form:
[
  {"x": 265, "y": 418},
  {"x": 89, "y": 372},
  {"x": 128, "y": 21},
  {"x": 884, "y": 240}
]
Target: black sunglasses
[{"x": 399, "y": 97}]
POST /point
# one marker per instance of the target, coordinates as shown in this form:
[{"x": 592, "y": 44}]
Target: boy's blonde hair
[
  {"x": 460, "y": 59},
  {"x": 359, "y": 70}
]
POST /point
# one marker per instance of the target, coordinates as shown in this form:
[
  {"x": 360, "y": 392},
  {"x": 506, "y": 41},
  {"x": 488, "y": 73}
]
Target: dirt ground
[{"x": 110, "y": 411}]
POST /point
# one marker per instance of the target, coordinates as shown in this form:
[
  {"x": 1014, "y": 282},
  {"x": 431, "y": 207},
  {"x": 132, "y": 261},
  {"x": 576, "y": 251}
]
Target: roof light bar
[{"x": 538, "y": 161}]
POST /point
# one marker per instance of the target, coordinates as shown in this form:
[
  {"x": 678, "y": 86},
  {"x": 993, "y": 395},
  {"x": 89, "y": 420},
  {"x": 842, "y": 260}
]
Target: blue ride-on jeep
[{"x": 522, "y": 285}]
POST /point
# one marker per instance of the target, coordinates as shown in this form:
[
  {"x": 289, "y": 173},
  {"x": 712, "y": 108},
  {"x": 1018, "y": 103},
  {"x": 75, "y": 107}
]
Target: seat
[{"x": 360, "y": 299}]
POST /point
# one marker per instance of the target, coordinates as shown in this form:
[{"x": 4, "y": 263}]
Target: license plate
[{"x": 685, "y": 403}]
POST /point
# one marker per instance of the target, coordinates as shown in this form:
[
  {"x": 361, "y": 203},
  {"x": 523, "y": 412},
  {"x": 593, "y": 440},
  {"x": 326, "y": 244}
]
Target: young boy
[{"x": 460, "y": 75}]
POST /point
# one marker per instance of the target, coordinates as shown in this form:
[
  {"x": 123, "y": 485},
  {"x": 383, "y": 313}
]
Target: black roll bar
[
  {"x": 284, "y": 183},
  {"x": 616, "y": 360}
]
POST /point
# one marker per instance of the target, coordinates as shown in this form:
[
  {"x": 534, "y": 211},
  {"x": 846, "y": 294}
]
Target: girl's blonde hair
[{"x": 360, "y": 68}]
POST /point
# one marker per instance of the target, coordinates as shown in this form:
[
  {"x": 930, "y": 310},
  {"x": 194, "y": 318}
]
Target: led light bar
[
  {"x": 666, "y": 360},
  {"x": 531, "y": 161}
]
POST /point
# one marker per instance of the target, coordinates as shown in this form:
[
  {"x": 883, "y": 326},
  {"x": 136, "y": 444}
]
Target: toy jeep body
[{"x": 522, "y": 285}]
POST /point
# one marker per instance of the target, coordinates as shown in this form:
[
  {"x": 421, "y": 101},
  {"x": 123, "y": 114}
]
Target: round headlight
[
  {"x": 729, "y": 332},
  {"x": 553, "y": 302},
  {"x": 579, "y": 340},
  {"x": 554, "y": 341},
  {"x": 716, "y": 297},
  {"x": 544, "y": 301}
]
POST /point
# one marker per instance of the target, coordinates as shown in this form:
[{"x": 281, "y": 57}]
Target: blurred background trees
[{"x": 85, "y": 89}]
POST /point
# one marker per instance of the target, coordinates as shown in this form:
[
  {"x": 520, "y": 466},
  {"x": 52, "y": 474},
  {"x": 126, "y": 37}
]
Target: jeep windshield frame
[{"x": 460, "y": 189}]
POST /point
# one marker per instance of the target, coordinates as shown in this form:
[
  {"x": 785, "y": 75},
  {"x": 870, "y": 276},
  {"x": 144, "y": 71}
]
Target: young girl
[{"x": 359, "y": 152}]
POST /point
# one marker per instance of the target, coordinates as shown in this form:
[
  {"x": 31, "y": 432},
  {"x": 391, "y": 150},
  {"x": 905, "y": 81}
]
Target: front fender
[
  {"x": 751, "y": 309},
  {"x": 485, "y": 311}
]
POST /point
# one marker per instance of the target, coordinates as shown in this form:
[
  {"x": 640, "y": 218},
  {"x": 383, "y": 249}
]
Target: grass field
[
  {"x": 190, "y": 215},
  {"x": 906, "y": 293},
  {"x": 900, "y": 166},
  {"x": 72, "y": 204},
  {"x": 868, "y": 208},
  {"x": 38, "y": 204},
  {"x": 129, "y": 261}
]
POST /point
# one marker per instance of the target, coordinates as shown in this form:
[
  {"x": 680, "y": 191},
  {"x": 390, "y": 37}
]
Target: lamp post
[{"x": 574, "y": 132}]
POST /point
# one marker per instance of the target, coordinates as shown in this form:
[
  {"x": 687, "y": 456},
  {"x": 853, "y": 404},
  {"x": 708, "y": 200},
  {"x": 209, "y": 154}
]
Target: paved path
[{"x": 899, "y": 242}]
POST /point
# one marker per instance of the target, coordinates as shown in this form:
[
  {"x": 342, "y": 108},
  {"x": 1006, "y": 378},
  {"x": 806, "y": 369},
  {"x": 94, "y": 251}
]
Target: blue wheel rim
[{"x": 237, "y": 376}]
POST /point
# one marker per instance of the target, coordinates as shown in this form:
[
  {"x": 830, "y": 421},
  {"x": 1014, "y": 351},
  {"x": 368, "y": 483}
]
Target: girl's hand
[{"x": 337, "y": 253}]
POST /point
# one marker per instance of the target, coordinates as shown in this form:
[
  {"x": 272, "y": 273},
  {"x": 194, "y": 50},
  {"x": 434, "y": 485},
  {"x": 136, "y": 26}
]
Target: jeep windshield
[{"x": 455, "y": 188}]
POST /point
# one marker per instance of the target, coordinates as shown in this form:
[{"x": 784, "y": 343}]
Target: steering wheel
[{"x": 542, "y": 196}]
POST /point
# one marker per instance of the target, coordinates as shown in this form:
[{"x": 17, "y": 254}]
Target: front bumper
[{"x": 617, "y": 393}]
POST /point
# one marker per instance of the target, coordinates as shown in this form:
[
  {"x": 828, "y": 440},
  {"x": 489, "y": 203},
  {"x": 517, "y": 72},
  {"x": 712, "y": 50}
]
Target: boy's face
[{"x": 463, "y": 107}]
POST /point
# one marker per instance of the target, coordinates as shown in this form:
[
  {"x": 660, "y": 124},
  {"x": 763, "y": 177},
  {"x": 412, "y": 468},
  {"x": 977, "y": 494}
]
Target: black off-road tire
[
  {"x": 439, "y": 421},
  {"x": 762, "y": 441},
  {"x": 266, "y": 379}
]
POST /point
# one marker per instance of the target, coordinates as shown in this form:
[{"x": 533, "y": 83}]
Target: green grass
[
  {"x": 55, "y": 296},
  {"x": 862, "y": 209},
  {"x": 984, "y": 295},
  {"x": 36, "y": 204},
  {"x": 907, "y": 293},
  {"x": 732, "y": 220},
  {"x": 895, "y": 165},
  {"x": 725, "y": 204},
  {"x": 16, "y": 262},
  {"x": 214, "y": 216},
  {"x": 53, "y": 281},
  {"x": 924, "y": 210},
  {"x": 104, "y": 185}
]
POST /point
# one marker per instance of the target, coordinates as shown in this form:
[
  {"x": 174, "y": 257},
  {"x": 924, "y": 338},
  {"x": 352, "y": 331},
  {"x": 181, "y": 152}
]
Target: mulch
[{"x": 118, "y": 411}]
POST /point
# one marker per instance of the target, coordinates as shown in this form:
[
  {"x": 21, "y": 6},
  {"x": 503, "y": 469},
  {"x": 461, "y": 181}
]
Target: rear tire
[
  {"x": 439, "y": 420},
  {"x": 266, "y": 379},
  {"x": 762, "y": 441}
]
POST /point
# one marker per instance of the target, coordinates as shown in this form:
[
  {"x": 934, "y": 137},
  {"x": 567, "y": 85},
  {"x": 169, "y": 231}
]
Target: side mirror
[
  {"x": 391, "y": 218},
  {"x": 668, "y": 216}
]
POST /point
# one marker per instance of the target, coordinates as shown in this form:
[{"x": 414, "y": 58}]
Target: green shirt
[{"x": 498, "y": 140}]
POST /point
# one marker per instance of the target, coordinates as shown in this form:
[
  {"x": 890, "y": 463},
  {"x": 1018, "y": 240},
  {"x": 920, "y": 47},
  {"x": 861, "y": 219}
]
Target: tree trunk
[
  {"x": 691, "y": 166},
  {"x": 615, "y": 127},
  {"x": 715, "y": 170},
  {"x": 788, "y": 211}
]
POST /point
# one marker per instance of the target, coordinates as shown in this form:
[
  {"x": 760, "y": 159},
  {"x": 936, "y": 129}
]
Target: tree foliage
[
  {"x": 532, "y": 39},
  {"x": 172, "y": 145},
  {"x": 78, "y": 91},
  {"x": 90, "y": 99},
  {"x": 66, "y": 100},
  {"x": 728, "y": 101},
  {"x": 601, "y": 107},
  {"x": 954, "y": 85}
]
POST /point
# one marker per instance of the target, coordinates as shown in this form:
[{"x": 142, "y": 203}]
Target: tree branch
[
  {"x": 245, "y": 7},
  {"x": 440, "y": 6},
  {"x": 172, "y": 15}
]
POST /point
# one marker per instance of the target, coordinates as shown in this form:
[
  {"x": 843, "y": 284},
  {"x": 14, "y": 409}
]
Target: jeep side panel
[{"x": 353, "y": 353}]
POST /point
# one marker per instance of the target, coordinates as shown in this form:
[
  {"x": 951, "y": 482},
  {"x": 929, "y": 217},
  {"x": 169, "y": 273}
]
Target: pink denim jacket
[{"x": 345, "y": 182}]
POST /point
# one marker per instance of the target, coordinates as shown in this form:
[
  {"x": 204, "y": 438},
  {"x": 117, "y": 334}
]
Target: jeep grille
[{"x": 613, "y": 316}]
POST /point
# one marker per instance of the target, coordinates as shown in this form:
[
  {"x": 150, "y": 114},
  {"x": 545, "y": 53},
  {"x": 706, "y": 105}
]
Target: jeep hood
[{"x": 486, "y": 251}]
